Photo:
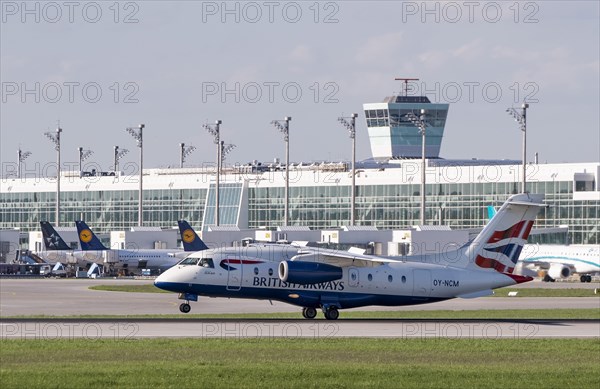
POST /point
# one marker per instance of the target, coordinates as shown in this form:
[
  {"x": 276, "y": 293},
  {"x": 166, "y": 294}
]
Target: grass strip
[{"x": 300, "y": 363}]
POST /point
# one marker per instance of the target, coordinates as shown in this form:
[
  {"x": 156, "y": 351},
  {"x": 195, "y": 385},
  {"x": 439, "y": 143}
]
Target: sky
[{"x": 100, "y": 67}]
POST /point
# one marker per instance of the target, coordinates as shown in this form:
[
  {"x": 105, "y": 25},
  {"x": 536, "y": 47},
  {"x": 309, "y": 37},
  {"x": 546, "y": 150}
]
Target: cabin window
[
  {"x": 370, "y": 277},
  {"x": 255, "y": 271},
  {"x": 390, "y": 278},
  {"x": 270, "y": 272},
  {"x": 404, "y": 279}
]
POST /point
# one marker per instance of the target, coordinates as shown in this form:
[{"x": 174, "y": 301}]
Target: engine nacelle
[
  {"x": 558, "y": 271},
  {"x": 299, "y": 272}
]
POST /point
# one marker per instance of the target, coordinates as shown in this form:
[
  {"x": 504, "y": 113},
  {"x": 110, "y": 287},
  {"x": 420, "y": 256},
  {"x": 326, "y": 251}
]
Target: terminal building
[{"x": 387, "y": 188}]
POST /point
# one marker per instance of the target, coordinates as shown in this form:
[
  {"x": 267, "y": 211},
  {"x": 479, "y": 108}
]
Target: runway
[
  {"x": 68, "y": 297},
  {"x": 72, "y": 297},
  {"x": 294, "y": 329}
]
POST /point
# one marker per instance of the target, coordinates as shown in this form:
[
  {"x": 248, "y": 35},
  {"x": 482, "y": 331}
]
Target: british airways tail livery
[
  {"x": 330, "y": 280},
  {"x": 189, "y": 237}
]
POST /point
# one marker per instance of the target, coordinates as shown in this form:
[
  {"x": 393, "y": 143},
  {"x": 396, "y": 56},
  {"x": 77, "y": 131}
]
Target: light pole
[
  {"x": 21, "y": 157},
  {"x": 521, "y": 118},
  {"x": 225, "y": 149},
  {"x": 137, "y": 135},
  {"x": 284, "y": 127},
  {"x": 55, "y": 138},
  {"x": 119, "y": 153},
  {"x": 83, "y": 155},
  {"x": 351, "y": 126},
  {"x": 184, "y": 152},
  {"x": 419, "y": 122},
  {"x": 215, "y": 130}
]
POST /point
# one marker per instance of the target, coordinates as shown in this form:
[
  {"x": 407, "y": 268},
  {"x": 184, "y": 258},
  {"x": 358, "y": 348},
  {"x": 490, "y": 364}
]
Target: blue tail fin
[
  {"x": 52, "y": 241},
  {"x": 491, "y": 212},
  {"x": 88, "y": 240},
  {"x": 191, "y": 240}
]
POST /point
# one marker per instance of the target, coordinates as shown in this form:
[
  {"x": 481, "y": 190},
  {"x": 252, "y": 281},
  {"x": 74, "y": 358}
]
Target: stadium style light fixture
[
  {"x": 419, "y": 122},
  {"x": 284, "y": 127},
  {"x": 521, "y": 118},
  {"x": 83, "y": 155},
  {"x": 21, "y": 157},
  {"x": 55, "y": 138},
  {"x": 351, "y": 126},
  {"x": 137, "y": 135},
  {"x": 119, "y": 153},
  {"x": 215, "y": 130},
  {"x": 184, "y": 151}
]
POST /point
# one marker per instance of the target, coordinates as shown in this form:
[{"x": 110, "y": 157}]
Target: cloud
[{"x": 381, "y": 48}]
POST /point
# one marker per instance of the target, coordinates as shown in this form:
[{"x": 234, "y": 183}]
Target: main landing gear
[
  {"x": 330, "y": 312},
  {"x": 309, "y": 312},
  {"x": 185, "y": 307},
  {"x": 585, "y": 278}
]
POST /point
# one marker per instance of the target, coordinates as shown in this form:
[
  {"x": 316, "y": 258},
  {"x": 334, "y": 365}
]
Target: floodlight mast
[
  {"x": 521, "y": 118},
  {"x": 351, "y": 126},
  {"x": 55, "y": 138},
  {"x": 137, "y": 134},
  {"x": 419, "y": 122},
  {"x": 215, "y": 130},
  {"x": 284, "y": 127},
  {"x": 83, "y": 155},
  {"x": 21, "y": 157},
  {"x": 119, "y": 153},
  {"x": 184, "y": 152}
]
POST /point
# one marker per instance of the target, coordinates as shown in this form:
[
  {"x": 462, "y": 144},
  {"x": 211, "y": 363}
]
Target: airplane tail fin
[
  {"x": 88, "y": 240},
  {"x": 189, "y": 237},
  {"x": 52, "y": 240},
  {"x": 499, "y": 244}
]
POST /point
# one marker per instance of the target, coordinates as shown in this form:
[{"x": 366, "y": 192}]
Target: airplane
[
  {"x": 561, "y": 261},
  {"x": 558, "y": 261},
  {"x": 55, "y": 248},
  {"x": 331, "y": 280},
  {"x": 139, "y": 258}
]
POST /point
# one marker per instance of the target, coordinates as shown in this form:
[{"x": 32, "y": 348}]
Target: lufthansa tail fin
[
  {"x": 189, "y": 237},
  {"x": 52, "y": 241},
  {"x": 499, "y": 244},
  {"x": 88, "y": 240}
]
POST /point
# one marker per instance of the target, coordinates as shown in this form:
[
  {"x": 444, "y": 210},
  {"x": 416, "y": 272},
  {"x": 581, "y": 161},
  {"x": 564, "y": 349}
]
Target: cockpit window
[
  {"x": 189, "y": 261},
  {"x": 206, "y": 262}
]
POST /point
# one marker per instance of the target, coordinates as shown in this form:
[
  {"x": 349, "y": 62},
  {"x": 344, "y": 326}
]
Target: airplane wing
[
  {"x": 545, "y": 265},
  {"x": 340, "y": 258}
]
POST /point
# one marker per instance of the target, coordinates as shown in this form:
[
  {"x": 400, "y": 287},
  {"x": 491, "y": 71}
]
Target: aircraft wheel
[
  {"x": 332, "y": 313},
  {"x": 589, "y": 278},
  {"x": 185, "y": 308},
  {"x": 547, "y": 278},
  {"x": 583, "y": 278},
  {"x": 309, "y": 313}
]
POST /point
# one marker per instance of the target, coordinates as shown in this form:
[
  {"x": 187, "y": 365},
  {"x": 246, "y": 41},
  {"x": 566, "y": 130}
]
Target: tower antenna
[{"x": 406, "y": 80}]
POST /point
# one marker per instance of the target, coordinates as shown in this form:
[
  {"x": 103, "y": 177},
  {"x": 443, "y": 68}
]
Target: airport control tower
[{"x": 393, "y": 136}]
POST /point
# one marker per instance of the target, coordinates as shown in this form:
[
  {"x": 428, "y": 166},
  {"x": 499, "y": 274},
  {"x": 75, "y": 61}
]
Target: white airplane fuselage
[{"x": 397, "y": 283}]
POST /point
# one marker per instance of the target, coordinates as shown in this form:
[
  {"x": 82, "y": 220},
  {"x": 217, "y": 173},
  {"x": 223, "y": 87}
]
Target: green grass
[
  {"x": 441, "y": 314},
  {"x": 301, "y": 363}
]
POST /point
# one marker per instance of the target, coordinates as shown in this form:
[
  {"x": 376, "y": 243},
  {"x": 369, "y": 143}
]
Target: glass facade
[
  {"x": 104, "y": 210},
  {"x": 230, "y": 196}
]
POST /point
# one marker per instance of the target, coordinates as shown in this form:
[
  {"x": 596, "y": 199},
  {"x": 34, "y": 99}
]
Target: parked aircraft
[
  {"x": 138, "y": 258},
  {"x": 558, "y": 261},
  {"x": 561, "y": 261},
  {"x": 331, "y": 280}
]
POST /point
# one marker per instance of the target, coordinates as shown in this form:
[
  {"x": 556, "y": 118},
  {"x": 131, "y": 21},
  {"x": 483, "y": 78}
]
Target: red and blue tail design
[
  {"x": 500, "y": 243},
  {"x": 502, "y": 250}
]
